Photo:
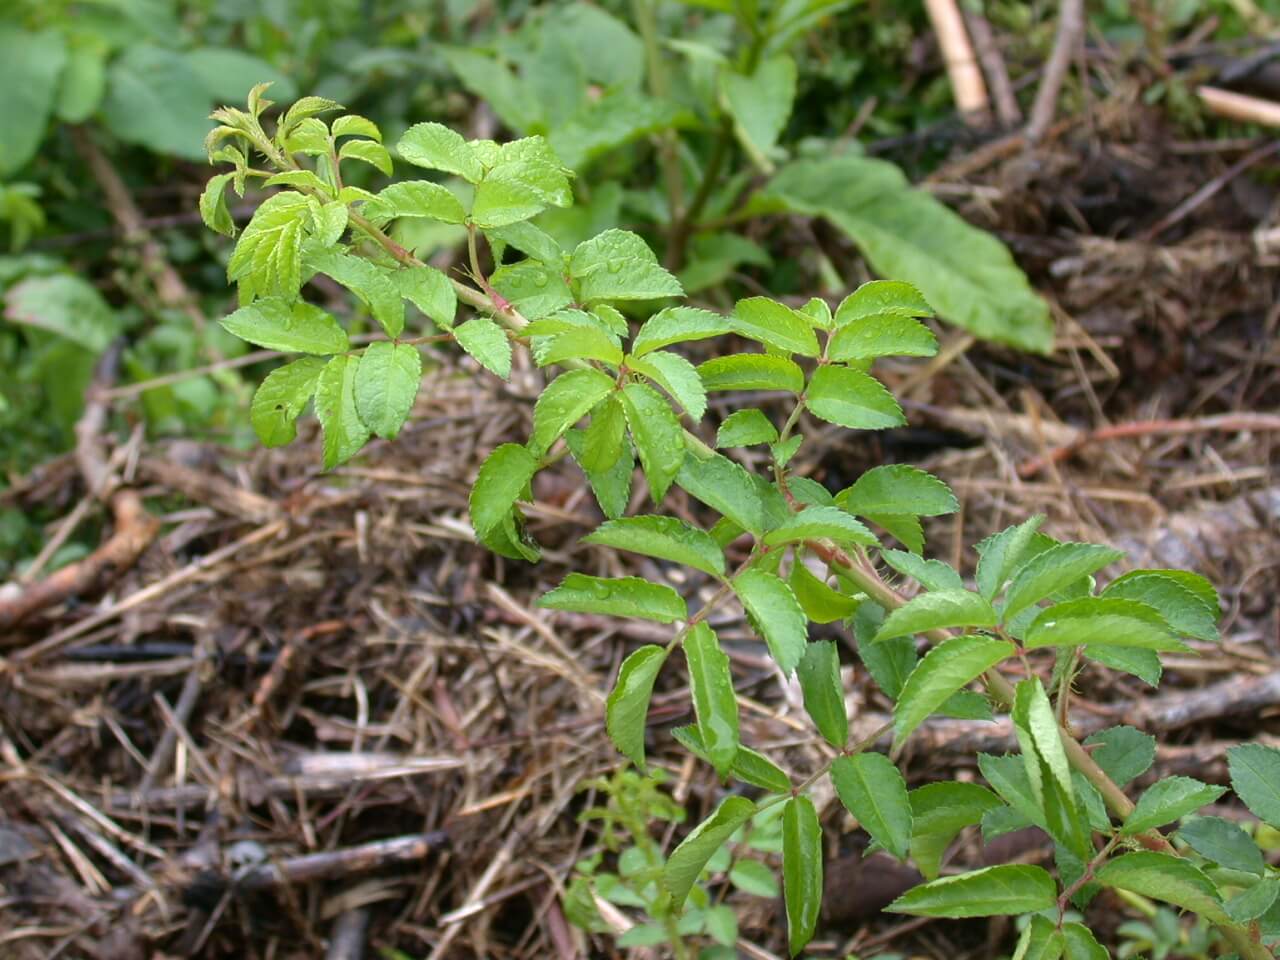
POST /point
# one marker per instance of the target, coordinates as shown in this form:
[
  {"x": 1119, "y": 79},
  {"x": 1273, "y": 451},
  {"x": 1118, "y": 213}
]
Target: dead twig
[
  {"x": 962, "y": 66},
  {"x": 1070, "y": 33}
]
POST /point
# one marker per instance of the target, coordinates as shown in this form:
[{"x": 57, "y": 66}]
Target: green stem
[
  {"x": 683, "y": 227},
  {"x": 643, "y": 12}
]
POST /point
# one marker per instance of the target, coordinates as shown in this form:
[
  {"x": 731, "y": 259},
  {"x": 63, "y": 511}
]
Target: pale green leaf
[
  {"x": 366, "y": 151},
  {"x": 487, "y": 343},
  {"x": 605, "y": 436},
  {"x": 371, "y": 283},
  {"x": 386, "y": 385},
  {"x": 935, "y": 610},
  {"x": 155, "y": 98},
  {"x": 1164, "y": 877},
  {"x": 760, "y": 104},
  {"x": 820, "y": 523},
  {"x": 753, "y": 877},
  {"x": 898, "y": 488},
  {"x": 281, "y": 398},
  {"x": 688, "y": 859},
  {"x": 948, "y": 667},
  {"x": 430, "y": 291},
  {"x": 436, "y": 147},
  {"x": 667, "y": 538},
  {"x": 269, "y": 251},
  {"x": 881, "y": 298},
  {"x": 535, "y": 290},
  {"x": 720, "y": 483},
  {"x": 775, "y": 324},
  {"x": 1079, "y": 943},
  {"x": 850, "y": 398},
  {"x": 744, "y": 428},
  {"x": 992, "y": 891},
  {"x": 344, "y": 432},
  {"x": 213, "y": 206},
  {"x": 292, "y": 328},
  {"x": 678, "y": 325},
  {"x": 1168, "y": 800},
  {"x": 677, "y": 376},
  {"x": 882, "y": 336},
  {"x": 933, "y": 575},
  {"x": 618, "y": 265},
  {"x": 751, "y": 371},
  {"x": 1000, "y": 554},
  {"x": 820, "y": 603},
  {"x": 30, "y": 63},
  {"x": 1223, "y": 842},
  {"x": 416, "y": 198}
]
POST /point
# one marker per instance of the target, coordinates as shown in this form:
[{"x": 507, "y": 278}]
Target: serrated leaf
[
  {"x": 879, "y": 298},
  {"x": 801, "y": 870},
  {"x": 1040, "y": 940},
  {"x": 417, "y": 198},
  {"x": 819, "y": 674},
  {"x": 1050, "y": 571},
  {"x": 939, "y": 811},
  {"x": 819, "y": 523},
  {"x": 1123, "y": 752},
  {"x": 1099, "y": 621},
  {"x": 1255, "y": 777},
  {"x": 386, "y": 386},
  {"x": 430, "y": 291},
  {"x": 850, "y": 398},
  {"x": 354, "y": 125},
  {"x": 882, "y": 336},
  {"x": 678, "y": 325},
  {"x": 688, "y": 859},
  {"x": 1223, "y": 842},
  {"x": 1201, "y": 588},
  {"x": 775, "y": 324},
  {"x": 305, "y": 107},
  {"x": 619, "y": 265},
  {"x": 366, "y": 151},
  {"x": 487, "y": 343},
  {"x": 605, "y": 436},
  {"x": 658, "y": 437},
  {"x": 714, "y": 702},
  {"x": 1079, "y": 943},
  {"x": 897, "y": 488},
  {"x": 281, "y": 398},
  {"x": 1183, "y": 610},
  {"x": 529, "y": 240},
  {"x": 937, "y": 610},
  {"x": 269, "y": 251},
  {"x": 565, "y": 401},
  {"x": 1000, "y": 554},
  {"x": 292, "y": 328},
  {"x": 664, "y": 537},
  {"x": 992, "y": 891},
  {"x": 948, "y": 667},
  {"x": 871, "y": 788},
  {"x": 820, "y": 603},
  {"x": 1143, "y": 664},
  {"x": 931, "y": 574},
  {"x": 509, "y": 194},
  {"x": 533, "y": 289},
  {"x": 748, "y": 766},
  {"x": 612, "y": 486},
  {"x": 344, "y": 432},
  {"x": 213, "y": 205},
  {"x": 329, "y": 222},
  {"x": 744, "y": 428},
  {"x": 1048, "y": 773},
  {"x": 730, "y": 490},
  {"x": 1167, "y": 878},
  {"x": 616, "y": 597},
  {"x": 1167, "y": 800},
  {"x": 760, "y": 103},
  {"x": 775, "y": 614},
  {"x": 752, "y": 371},
  {"x": 503, "y": 479},
  {"x": 370, "y": 283},
  {"x": 628, "y": 703},
  {"x": 577, "y": 343},
  {"x": 677, "y": 376},
  {"x": 436, "y": 147}
]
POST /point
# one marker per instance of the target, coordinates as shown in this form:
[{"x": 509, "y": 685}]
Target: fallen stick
[
  {"x": 967, "y": 86},
  {"x": 1070, "y": 33},
  {"x": 1240, "y": 106},
  {"x": 340, "y": 863}
]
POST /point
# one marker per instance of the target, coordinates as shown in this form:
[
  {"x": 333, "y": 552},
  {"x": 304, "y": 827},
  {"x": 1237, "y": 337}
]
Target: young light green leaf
[
  {"x": 935, "y": 610},
  {"x": 882, "y": 336},
  {"x": 292, "y": 328},
  {"x": 269, "y": 252},
  {"x": 618, "y": 265},
  {"x": 688, "y": 859},
  {"x": 677, "y": 376},
  {"x": 529, "y": 240},
  {"x": 664, "y": 537},
  {"x": 820, "y": 523},
  {"x": 1123, "y": 752},
  {"x": 820, "y": 603},
  {"x": 281, "y": 398},
  {"x": 430, "y": 291},
  {"x": 344, "y": 432},
  {"x": 948, "y": 667},
  {"x": 503, "y": 479},
  {"x": 801, "y": 870},
  {"x": 1050, "y": 571},
  {"x": 933, "y": 575},
  {"x": 1183, "y": 610},
  {"x": 658, "y": 436},
  {"x": 1100, "y": 621},
  {"x": 714, "y": 702},
  {"x": 897, "y": 488},
  {"x": 535, "y": 290},
  {"x": 1255, "y": 777},
  {"x": 578, "y": 342},
  {"x": 487, "y": 343},
  {"x": 368, "y": 281},
  {"x": 678, "y": 325},
  {"x": 1000, "y": 554},
  {"x": 628, "y": 703},
  {"x": 819, "y": 673},
  {"x": 939, "y": 811},
  {"x": 510, "y": 193},
  {"x": 751, "y": 371},
  {"x": 774, "y": 614},
  {"x": 565, "y": 401},
  {"x": 992, "y": 891},
  {"x": 436, "y": 147},
  {"x": 852, "y": 399},
  {"x": 366, "y": 151},
  {"x": 416, "y": 198},
  {"x": 213, "y": 206},
  {"x": 872, "y": 789},
  {"x": 1167, "y": 800},
  {"x": 745, "y": 428},
  {"x": 1162, "y": 876},
  {"x": 769, "y": 322},
  {"x": 882, "y": 298},
  {"x": 386, "y": 385},
  {"x": 354, "y": 125},
  {"x": 748, "y": 766},
  {"x": 760, "y": 103},
  {"x": 616, "y": 597},
  {"x": 1223, "y": 842}
]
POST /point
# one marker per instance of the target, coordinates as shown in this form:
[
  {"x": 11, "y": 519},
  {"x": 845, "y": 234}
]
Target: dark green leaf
[
  {"x": 801, "y": 870},
  {"x": 820, "y": 523},
  {"x": 930, "y": 574},
  {"x": 616, "y": 597},
  {"x": 820, "y": 603},
  {"x": 1167, "y": 878},
  {"x": 714, "y": 701},
  {"x": 939, "y": 811},
  {"x": 1254, "y": 902},
  {"x": 1000, "y": 554},
  {"x": 1168, "y": 800},
  {"x": 678, "y": 325},
  {"x": 872, "y": 789},
  {"x": 1050, "y": 571},
  {"x": 748, "y": 766},
  {"x": 1143, "y": 664},
  {"x": 565, "y": 401},
  {"x": 628, "y": 702},
  {"x": 991, "y": 891},
  {"x": 1181, "y": 609},
  {"x": 948, "y": 667},
  {"x": 1223, "y": 842},
  {"x": 1124, "y": 753},
  {"x": 730, "y": 490},
  {"x": 688, "y": 859},
  {"x": 503, "y": 479},
  {"x": 745, "y": 428},
  {"x": 819, "y": 673},
  {"x": 1100, "y": 621},
  {"x": 897, "y": 488},
  {"x": 658, "y": 436},
  {"x": 935, "y": 610},
  {"x": 775, "y": 614}
]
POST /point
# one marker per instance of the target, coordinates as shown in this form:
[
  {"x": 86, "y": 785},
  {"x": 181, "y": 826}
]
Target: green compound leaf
[
  {"x": 948, "y": 667},
  {"x": 616, "y": 597},
  {"x": 872, "y": 789},
  {"x": 819, "y": 523},
  {"x": 618, "y": 265},
  {"x": 605, "y": 436},
  {"x": 882, "y": 336},
  {"x": 1000, "y": 554},
  {"x": 745, "y": 428},
  {"x": 993, "y": 891},
  {"x": 1255, "y": 777},
  {"x": 658, "y": 437},
  {"x": 1203, "y": 590},
  {"x": 503, "y": 479},
  {"x": 488, "y": 345},
  {"x": 1223, "y": 842},
  {"x": 281, "y": 398},
  {"x": 386, "y": 385},
  {"x": 268, "y": 254},
  {"x": 416, "y": 198},
  {"x": 666, "y": 538},
  {"x": 897, "y": 488},
  {"x": 1167, "y": 878},
  {"x": 628, "y": 703},
  {"x": 688, "y": 859},
  {"x": 565, "y": 401},
  {"x": 819, "y": 673},
  {"x": 935, "y": 610},
  {"x": 801, "y": 870},
  {"x": 436, "y": 147},
  {"x": 366, "y": 151},
  {"x": 677, "y": 376},
  {"x": 611, "y": 486},
  {"x": 370, "y": 283},
  {"x": 1167, "y": 800},
  {"x": 1048, "y": 572},
  {"x": 714, "y": 702},
  {"x": 939, "y": 811},
  {"x": 748, "y": 766},
  {"x": 730, "y": 490},
  {"x": 344, "y": 432},
  {"x": 752, "y": 371},
  {"x": 852, "y": 399},
  {"x": 1102, "y": 622},
  {"x": 775, "y": 614},
  {"x": 678, "y": 325},
  {"x": 879, "y": 298},
  {"x": 775, "y": 324},
  {"x": 1124, "y": 753},
  {"x": 1182, "y": 609}
]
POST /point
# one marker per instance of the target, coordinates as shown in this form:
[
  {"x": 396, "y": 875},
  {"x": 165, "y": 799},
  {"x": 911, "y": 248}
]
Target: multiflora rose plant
[{"x": 606, "y": 321}]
